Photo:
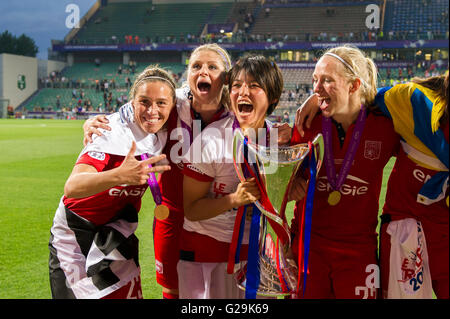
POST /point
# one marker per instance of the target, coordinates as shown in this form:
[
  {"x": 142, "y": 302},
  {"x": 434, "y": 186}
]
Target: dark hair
[
  {"x": 265, "y": 72},
  {"x": 439, "y": 84}
]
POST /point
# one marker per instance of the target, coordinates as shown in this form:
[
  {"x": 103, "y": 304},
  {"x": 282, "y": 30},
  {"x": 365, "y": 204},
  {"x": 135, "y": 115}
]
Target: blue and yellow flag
[{"x": 415, "y": 112}]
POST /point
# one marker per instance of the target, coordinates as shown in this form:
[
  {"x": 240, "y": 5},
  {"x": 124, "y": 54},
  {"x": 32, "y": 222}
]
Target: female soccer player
[
  {"x": 414, "y": 232},
  {"x": 358, "y": 144},
  {"x": 414, "y": 250},
  {"x": 93, "y": 248},
  {"x": 211, "y": 188},
  {"x": 203, "y": 100}
]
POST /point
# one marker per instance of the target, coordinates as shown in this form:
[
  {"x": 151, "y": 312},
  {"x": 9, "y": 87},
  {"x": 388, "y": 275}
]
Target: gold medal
[
  {"x": 161, "y": 212},
  {"x": 334, "y": 198},
  {"x": 447, "y": 200}
]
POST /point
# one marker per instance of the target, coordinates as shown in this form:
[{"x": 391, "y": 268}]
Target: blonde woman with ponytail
[{"x": 342, "y": 260}]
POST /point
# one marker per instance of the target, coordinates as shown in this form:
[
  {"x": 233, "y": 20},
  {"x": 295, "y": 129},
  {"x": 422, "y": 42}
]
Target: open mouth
[
  {"x": 245, "y": 107},
  {"x": 324, "y": 102},
  {"x": 204, "y": 87}
]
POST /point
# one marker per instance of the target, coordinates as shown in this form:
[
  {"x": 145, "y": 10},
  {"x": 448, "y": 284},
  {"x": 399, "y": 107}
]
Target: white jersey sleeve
[{"x": 214, "y": 164}]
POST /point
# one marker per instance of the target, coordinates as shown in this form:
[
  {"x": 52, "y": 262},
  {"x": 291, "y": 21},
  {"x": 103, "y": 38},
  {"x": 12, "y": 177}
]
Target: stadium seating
[
  {"x": 167, "y": 20},
  {"x": 89, "y": 72},
  {"x": 299, "y": 20},
  {"x": 83, "y": 76},
  {"x": 292, "y": 18},
  {"x": 418, "y": 16}
]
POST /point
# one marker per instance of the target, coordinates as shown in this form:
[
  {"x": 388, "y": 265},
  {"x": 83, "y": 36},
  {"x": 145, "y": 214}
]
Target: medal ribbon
[
  {"x": 239, "y": 222},
  {"x": 349, "y": 155},
  {"x": 253, "y": 272},
  {"x": 238, "y": 231},
  {"x": 308, "y": 211},
  {"x": 253, "y": 269},
  {"x": 305, "y": 220},
  {"x": 153, "y": 183}
]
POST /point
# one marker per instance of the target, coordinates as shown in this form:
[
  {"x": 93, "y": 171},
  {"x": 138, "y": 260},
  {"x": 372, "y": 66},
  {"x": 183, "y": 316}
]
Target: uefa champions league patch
[
  {"x": 159, "y": 267},
  {"x": 97, "y": 155}
]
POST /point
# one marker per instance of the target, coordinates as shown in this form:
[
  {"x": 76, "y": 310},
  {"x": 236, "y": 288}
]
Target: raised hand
[{"x": 134, "y": 172}]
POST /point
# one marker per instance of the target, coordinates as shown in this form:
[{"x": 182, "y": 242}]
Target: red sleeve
[
  {"x": 296, "y": 137},
  {"x": 191, "y": 171},
  {"x": 97, "y": 159}
]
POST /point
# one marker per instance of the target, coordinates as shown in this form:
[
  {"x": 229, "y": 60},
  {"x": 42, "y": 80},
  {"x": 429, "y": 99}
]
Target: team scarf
[{"x": 124, "y": 130}]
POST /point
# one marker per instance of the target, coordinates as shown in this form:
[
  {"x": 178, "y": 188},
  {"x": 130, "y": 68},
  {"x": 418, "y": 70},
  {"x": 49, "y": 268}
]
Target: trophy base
[{"x": 270, "y": 285}]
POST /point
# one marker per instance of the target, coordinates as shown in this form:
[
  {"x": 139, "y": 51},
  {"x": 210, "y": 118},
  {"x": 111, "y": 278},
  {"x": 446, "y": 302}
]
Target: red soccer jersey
[
  {"x": 354, "y": 218},
  {"x": 102, "y": 207},
  {"x": 405, "y": 182},
  {"x": 170, "y": 181}
]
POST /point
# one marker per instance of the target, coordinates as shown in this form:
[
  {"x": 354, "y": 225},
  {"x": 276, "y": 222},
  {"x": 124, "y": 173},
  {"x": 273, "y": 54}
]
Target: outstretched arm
[{"x": 86, "y": 181}]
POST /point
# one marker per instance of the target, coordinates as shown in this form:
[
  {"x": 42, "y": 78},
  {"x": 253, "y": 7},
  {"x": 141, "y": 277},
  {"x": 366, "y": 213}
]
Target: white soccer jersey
[{"x": 214, "y": 163}]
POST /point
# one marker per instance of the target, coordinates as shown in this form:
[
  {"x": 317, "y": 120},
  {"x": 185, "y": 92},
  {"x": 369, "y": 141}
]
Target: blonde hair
[
  {"x": 226, "y": 60},
  {"x": 226, "y": 63},
  {"x": 153, "y": 73},
  {"x": 358, "y": 66}
]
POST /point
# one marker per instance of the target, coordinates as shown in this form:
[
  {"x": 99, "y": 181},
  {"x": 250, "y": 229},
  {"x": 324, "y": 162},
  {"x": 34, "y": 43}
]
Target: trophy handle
[{"x": 319, "y": 150}]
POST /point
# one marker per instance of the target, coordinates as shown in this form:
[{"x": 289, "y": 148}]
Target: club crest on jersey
[
  {"x": 97, "y": 155},
  {"x": 372, "y": 150}
]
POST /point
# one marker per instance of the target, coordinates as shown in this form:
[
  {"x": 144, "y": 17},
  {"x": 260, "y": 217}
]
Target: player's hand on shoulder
[
  {"x": 284, "y": 133},
  {"x": 91, "y": 126}
]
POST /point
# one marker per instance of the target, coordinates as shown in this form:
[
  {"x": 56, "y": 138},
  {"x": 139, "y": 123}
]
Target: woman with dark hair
[{"x": 211, "y": 188}]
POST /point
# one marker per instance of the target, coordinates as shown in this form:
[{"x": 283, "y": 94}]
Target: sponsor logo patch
[{"x": 97, "y": 155}]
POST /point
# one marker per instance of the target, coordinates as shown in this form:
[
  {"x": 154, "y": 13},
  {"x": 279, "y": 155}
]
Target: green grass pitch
[{"x": 36, "y": 157}]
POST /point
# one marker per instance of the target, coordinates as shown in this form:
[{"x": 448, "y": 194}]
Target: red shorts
[
  {"x": 340, "y": 271},
  {"x": 166, "y": 241},
  {"x": 132, "y": 290},
  {"x": 438, "y": 257}
]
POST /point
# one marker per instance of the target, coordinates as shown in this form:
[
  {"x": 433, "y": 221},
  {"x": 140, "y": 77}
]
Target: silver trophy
[{"x": 276, "y": 169}]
